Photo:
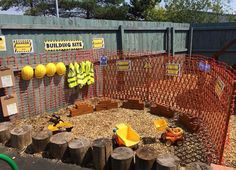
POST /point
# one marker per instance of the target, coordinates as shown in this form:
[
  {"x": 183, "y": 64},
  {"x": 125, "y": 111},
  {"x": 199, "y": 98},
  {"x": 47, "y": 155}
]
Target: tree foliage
[{"x": 190, "y": 11}]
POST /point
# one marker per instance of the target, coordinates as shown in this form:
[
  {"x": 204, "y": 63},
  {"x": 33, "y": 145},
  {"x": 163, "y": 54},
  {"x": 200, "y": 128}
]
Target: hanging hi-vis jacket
[
  {"x": 90, "y": 73},
  {"x": 72, "y": 76},
  {"x": 79, "y": 75}
]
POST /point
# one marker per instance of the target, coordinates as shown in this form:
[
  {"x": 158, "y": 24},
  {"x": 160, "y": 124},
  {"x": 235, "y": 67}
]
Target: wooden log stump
[
  {"x": 40, "y": 140},
  {"x": 79, "y": 149},
  {"x": 145, "y": 158},
  {"x": 58, "y": 144},
  {"x": 122, "y": 159},
  {"x": 21, "y": 137},
  {"x": 4, "y": 132},
  {"x": 101, "y": 151},
  {"x": 167, "y": 162}
]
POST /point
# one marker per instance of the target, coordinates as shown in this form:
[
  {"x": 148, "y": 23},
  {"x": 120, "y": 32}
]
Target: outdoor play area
[{"x": 119, "y": 108}]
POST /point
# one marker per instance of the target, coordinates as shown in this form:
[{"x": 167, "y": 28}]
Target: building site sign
[
  {"x": 98, "y": 43},
  {"x": 3, "y": 43},
  {"x": 219, "y": 87},
  {"x": 63, "y": 45},
  {"x": 123, "y": 65},
  {"x": 173, "y": 69},
  {"x": 23, "y": 46}
]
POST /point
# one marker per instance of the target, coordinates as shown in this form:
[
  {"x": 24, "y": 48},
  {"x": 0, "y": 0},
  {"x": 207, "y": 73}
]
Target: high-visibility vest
[
  {"x": 91, "y": 73},
  {"x": 72, "y": 76},
  {"x": 83, "y": 72},
  {"x": 79, "y": 75}
]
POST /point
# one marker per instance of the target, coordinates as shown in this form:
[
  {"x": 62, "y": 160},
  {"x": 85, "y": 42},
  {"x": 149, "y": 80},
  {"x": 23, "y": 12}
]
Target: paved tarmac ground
[{"x": 29, "y": 162}]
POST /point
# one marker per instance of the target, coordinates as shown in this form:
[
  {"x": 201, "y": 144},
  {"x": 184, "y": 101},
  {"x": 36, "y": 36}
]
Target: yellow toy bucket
[{"x": 161, "y": 124}]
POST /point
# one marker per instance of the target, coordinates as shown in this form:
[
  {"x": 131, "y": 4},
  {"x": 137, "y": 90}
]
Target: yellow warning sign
[
  {"x": 219, "y": 87},
  {"x": 123, "y": 65},
  {"x": 2, "y": 43},
  {"x": 98, "y": 43},
  {"x": 173, "y": 69},
  {"x": 63, "y": 45},
  {"x": 23, "y": 46}
]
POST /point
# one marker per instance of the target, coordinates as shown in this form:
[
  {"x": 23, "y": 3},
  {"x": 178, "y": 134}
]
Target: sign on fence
[
  {"x": 204, "y": 66},
  {"x": 3, "y": 43},
  {"x": 23, "y": 46},
  {"x": 219, "y": 87},
  {"x": 63, "y": 45},
  {"x": 103, "y": 61},
  {"x": 98, "y": 43},
  {"x": 173, "y": 69},
  {"x": 123, "y": 65}
]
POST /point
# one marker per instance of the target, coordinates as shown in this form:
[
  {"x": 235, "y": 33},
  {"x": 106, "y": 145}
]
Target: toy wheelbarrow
[
  {"x": 124, "y": 135},
  {"x": 59, "y": 125}
]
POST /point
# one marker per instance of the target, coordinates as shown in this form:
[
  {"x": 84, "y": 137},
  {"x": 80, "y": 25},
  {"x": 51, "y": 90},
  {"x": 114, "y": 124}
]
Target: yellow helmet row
[{"x": 27, "y": 72}]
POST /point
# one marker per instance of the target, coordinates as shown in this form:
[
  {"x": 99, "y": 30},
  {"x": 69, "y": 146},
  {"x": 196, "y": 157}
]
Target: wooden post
[
  {"x": 167, "y": 162},
  {"x": 122, "y": 159},
  {"x": 173, "y": 40},
  {"x": 21, "y": 136},
  {"x": 78, "y": 149},
  {"x": 40, "y": 140},
  {"x": 4, "y": 132},
  {"x": 58, "y": 144},
  {"x": 102, "y": 149},
  {"x": 145, "y": 158}
]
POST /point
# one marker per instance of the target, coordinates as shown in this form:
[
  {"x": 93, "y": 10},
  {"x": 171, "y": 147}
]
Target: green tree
[
  {"x": 194, "y": 11},
  {"x": 139, "y": 9}
]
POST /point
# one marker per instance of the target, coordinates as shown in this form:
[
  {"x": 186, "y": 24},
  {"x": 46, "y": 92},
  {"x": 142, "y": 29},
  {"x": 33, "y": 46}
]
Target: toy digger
[
  {"x": 59, "y": 125},
  {"x": 171, "y": 135}
]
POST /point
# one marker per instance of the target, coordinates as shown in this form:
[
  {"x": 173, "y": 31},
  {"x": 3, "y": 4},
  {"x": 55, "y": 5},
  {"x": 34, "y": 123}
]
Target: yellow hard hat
[
  {"x": 61, "y": 68},
  {"x": 27, "y": 73},
  {"x": 50, "y": 69},
  {"x": 40, "y": 71}
]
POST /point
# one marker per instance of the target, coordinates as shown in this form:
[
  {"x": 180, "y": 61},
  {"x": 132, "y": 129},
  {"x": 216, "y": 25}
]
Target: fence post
[
  {"x": 121, "y": 30},
  {"x": 190, "y": 41},
  {"x": 168, "y": 41},
  {"x": 173, "y": 40}
]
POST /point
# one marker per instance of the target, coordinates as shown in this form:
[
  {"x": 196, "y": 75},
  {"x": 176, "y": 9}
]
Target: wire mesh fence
[{"x": 196, "y": 85}]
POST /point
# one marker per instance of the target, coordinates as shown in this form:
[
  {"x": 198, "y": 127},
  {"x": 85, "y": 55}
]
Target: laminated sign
[
  {"x": 219, "y": 87},
  {"x": 123, "y": 65},
  {"x": 173, "y": 69},
  {"x": 98, "y": 43},
  {"x": 9, "y": 105},
  {"x": 23, "y": 46},
  {"x": 2, "y": 43},
  {"x": 63, "y": 45}
]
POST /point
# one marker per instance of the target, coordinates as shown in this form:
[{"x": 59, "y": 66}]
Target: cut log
[
  {"x": 4, "y": 132},
  {"x": 79, "y": 149},
  {"x": 167, "y": 162},
  {"x": 40, "y": 140},
  {"x": 21, "y": 137},
  {"x": 102, "y": 149},
  {"x": 58, "y": 144},
  {"x": 145, "y": 158},
  {"x": 122, "y": 159}
]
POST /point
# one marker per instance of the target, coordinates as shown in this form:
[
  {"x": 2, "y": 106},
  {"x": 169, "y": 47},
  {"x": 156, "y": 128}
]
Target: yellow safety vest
[
  {"x": 72, "y": 76},
  {"x": 91, "y": 73},
  {"x": 79, "y": 75},
  {"x": 83, "y": 72}
]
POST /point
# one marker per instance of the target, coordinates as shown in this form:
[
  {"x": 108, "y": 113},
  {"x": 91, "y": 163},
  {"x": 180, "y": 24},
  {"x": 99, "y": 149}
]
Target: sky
[{"x": 14, "y": 11}]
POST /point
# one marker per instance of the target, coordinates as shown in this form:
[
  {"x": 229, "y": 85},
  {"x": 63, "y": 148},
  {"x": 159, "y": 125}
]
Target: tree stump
[
  {"x": 102, "y": 149},
  {"x": 40, "y": 140},
  {"x": 167, "y": 162},
  {"x": 21, "y": 136},
  {"x": 145, "y": 158},
  {"x": 78, "y": 149},
  {"x": 58, "y": 144},
  {"x": 122, "y": 159},
  {"x": 4, "y": 132}
]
